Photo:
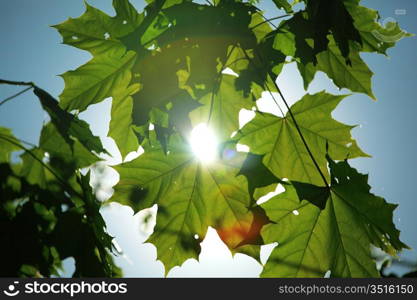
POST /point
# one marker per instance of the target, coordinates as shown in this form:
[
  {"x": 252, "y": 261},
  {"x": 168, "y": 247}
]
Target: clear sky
[{"x": 32, "y": 51}]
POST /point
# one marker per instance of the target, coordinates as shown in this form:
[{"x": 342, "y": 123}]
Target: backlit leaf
[
  {"x": 221, "y": 108},
  {"x": 285, "y": 154},
  {"x": 96, "y": 80},
  {"x": 121, "y": 121},
  {"x": 97, "y": 32},
  {"x": 338, "y": 238},
  {"x": 191, "y": 196}
]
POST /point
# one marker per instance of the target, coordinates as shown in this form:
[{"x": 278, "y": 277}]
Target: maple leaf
[
  {"x": 99, "y": 33},
  {"x": 335, "y": 237},
  {"x": 166, "y": 73},
  {"x": 190, "y": 53},
  {"x": 98, "y": 79},
  {"x": 285, "y": 154},
  {"x": 355, "y": 76},
  {"x": 340, "y": 60},
  {"x": 294, "y": 38},
  {"x": 191, "y": 196}
]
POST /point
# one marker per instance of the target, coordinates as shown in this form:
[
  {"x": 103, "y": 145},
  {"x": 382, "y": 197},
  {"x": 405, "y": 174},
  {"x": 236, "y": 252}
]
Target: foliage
[
  {"x": 47, "y": 204},
  {"x": 165, "y": 70}
]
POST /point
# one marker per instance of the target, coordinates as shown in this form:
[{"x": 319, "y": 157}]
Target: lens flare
[{"x": 204, "y": 143}]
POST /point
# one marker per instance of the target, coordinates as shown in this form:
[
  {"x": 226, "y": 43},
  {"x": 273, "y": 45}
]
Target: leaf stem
[
  {"x": 269, "y": 21},
  {"x": 15, "y": 95},
  {"x": 297, "y": 127}
]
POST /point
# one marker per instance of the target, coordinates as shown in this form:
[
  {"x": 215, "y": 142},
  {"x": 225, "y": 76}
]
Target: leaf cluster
[
  {"x": 48, "y": 209},
  {"x": 168, "y": 69}
]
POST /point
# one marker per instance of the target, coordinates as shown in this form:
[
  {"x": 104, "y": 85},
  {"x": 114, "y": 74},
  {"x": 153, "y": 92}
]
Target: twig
[
  {"x": 269, "y": 21},
  {"x": 3, "y": 81},
  {"x": 15, "y": 95},
  {"x": 297, "y": 127}
]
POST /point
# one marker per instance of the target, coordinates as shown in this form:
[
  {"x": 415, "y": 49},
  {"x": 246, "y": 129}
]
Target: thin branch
[
  {"x": 269, "y": 21},
  {"x": 3, "y": 81},
  {"x": 26, "y": 142},
  {"x": 15, "y": 95}
]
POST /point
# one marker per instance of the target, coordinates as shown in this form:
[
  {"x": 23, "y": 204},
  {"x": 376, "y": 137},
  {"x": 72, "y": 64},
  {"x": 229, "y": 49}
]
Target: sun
[{"x": 204, "y": 143}]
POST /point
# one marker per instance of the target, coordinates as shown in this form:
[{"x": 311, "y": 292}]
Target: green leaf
[
  {"x": 283, "y": 4},
  {"x": 98, "y": 79},
  {"x": 257, "y": 62},
  {"x": 120, "y": 128},
  {"x": 375, "y": 37},
  {"x": 221, "y": 108},
  {"x": 331, "y": 17},
  {"x": 257, "y": 174},
  {"x": 75, "y": 153},
  {"x": 355, "y": 76},
  {"x": 259, "y": 26},
  {"x": 295, "y": 38},
  {"x": 190, "y": 195},
  {"x": 8, "y": 144},
  {"x": 32, "y": 169},
  {"x": 68, "y": 125},
  {"x": 338, "y": 238},
  {"x": 97, "y": 32},
  {"x": 128, "y": 14},
  {"x": 153, "y": 24},
  {"x": 161, "y": 67},
  {"x": 285, "y": 154}
]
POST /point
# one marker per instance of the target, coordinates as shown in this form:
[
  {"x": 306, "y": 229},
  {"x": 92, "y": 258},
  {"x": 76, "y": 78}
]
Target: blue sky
[{"x": 30, "y": 50}]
